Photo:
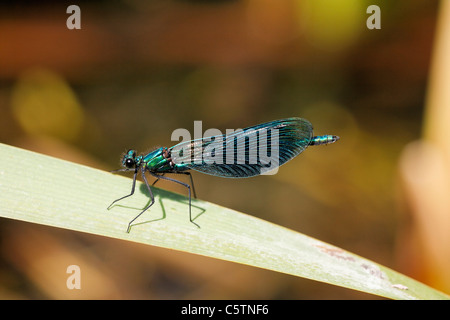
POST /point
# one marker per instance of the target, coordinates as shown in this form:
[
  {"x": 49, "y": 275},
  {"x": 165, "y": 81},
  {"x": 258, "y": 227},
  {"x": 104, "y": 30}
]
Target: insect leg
[
  {"x": 192, "y": 183},
  {"x": 132, "y": 188},
  {"x": 151, "y": 197},
  {"x": 186, "y": 173},
  {"x": 157, "y": 179},
  {"x": 183, "y": 184}
]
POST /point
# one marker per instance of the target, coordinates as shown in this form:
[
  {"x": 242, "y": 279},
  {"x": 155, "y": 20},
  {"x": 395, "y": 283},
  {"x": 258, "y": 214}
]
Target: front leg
[{"x": 132, "y": 187}]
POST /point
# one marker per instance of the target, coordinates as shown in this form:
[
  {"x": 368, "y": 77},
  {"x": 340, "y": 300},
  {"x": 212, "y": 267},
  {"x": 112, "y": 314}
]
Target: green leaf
[{"x": 49, "y": 191}]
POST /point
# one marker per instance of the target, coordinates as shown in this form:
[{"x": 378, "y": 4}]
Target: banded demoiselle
[{"x": 239, "y": 154}]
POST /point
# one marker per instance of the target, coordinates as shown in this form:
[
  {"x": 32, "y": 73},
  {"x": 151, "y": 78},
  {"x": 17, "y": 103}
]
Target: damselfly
[{"x": 242, "y": 153}]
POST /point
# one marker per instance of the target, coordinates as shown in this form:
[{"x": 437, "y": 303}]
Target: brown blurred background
[{"x": 137, "y": 70}]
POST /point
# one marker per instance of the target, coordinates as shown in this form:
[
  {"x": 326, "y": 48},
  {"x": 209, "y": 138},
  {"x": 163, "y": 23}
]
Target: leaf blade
[{"x": 50, "y": 191}]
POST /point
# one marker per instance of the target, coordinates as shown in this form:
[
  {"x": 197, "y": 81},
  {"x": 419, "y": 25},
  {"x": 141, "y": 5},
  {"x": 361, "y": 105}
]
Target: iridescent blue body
[{"x": 230, "y": 155}]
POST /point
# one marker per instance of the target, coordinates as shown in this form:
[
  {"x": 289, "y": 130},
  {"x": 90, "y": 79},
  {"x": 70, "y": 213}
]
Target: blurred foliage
[
  {"x": 137, "y": 70},
  {"x": 43, "y": 103}
]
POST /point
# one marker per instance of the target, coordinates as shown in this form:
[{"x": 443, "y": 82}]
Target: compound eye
[{"x": 129, "y": 163}]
